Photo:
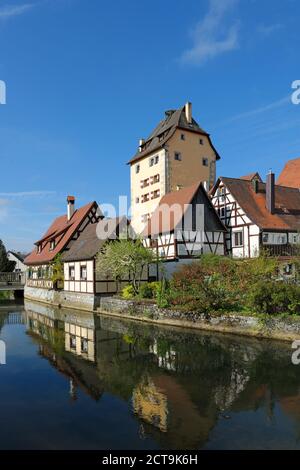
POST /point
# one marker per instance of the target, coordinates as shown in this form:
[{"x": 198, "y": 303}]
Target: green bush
[
  {"x": 275, "y": 297},
  {"x": 163, "y": 293},
  {"x": 207, "y": 285},
  {"x": 146, "y": 291},
  {"x": 128, "y": 292}
]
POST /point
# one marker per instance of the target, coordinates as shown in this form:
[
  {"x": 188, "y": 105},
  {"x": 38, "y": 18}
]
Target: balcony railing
[
  {"x": 11, "y": 279},
  {"x": 282, "y": 250},
  {"x": 43, "y": 283}
]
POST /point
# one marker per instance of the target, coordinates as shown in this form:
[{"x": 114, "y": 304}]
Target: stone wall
[
  {"x": 279, "y": 328},
  {"x": 75, "y": 300}
]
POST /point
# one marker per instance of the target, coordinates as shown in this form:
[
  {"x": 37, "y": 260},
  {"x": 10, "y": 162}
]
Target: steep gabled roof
[
  {"x": 62, "y": 231},
  {"x": 290, "y": 175},
  {"x": 18, "y": 255},
  {"x": 251, "y": 177},
  {"x": 174, "y": 205},
  {"x": 174, "y": 119},
  {"x": 93, "y": 237},
  {"x": 287, "y": 204}
]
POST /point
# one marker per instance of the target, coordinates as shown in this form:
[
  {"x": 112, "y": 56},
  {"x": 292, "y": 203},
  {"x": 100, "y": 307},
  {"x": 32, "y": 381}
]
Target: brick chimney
[
  {"x": 70, "y": 206},
  {"x": 188, "y": 112},
  {"x": 270, "y": 192}
]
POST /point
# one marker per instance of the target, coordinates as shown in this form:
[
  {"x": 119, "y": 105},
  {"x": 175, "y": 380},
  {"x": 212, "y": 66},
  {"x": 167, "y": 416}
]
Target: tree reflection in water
[{"x": 179, "y": 384}]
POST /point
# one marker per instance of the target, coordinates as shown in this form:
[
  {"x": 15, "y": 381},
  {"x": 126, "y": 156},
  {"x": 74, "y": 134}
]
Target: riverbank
[{"x": 268, "y": 326}]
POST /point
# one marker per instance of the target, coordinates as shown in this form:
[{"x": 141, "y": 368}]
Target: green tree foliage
[
  {"x": 57, "y": 271},
  {"x": 217, "y": 283},
  {"x": 123, "y": 259},
  {"x": 6, "y": 266},
  {"x": 205, "y": 286},
  {"x": 275, "y": 298}
]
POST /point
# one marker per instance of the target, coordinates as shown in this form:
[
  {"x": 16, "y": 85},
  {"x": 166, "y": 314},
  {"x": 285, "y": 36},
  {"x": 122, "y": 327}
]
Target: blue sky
[{"x": 87, "y": 78}]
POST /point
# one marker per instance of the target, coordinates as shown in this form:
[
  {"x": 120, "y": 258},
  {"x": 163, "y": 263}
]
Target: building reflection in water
[{"x": 179, "y": 385}]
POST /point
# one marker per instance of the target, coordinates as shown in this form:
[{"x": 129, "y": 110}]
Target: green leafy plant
[
  {"x": 128, "y": 292},
  {"x": 57, "y": 268},
  {"x": 275, "y": 298},
  {"x": 125, "y": 259}
]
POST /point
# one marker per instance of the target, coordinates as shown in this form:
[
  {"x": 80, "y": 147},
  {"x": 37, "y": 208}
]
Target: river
[{"x": 76, "y": 380}]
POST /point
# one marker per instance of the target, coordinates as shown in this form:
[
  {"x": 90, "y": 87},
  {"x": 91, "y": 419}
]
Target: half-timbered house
[
  {"x": 184, "y": 226},
  {"x": 259, "y": 216},
  {"x": 59, "y": 237},
  {"x": 80, "y": 273}
]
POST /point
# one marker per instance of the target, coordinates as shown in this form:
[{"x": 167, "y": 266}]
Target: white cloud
[
  {"x": 263, "y": 109},
  {"x": 28, "y": 194},
  {"x": 211, "y": 37},
  {"x": 267, "y": 30},
  {"x": 9, "y": 11}
]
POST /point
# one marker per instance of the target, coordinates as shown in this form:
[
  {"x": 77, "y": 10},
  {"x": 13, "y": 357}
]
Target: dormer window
[
  {"x": 52, "y": 245},
  {"x": 39, "y": 248}
]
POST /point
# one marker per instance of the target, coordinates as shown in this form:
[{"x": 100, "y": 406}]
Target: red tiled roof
[
  {"x": 287, "y": 204},
  {"x": 164, "y": 220},
  {"x": 61, "y": 230},
  {"x": 290, "y": 175},
  {"x": 251, "y": 176}
]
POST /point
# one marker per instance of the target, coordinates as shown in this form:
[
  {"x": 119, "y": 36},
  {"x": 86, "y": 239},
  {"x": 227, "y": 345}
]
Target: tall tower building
[{"x": 177, "y": 154}]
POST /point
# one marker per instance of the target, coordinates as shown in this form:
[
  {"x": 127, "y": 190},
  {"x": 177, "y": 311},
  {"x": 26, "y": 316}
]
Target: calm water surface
[{"x": 79, "y": 381}]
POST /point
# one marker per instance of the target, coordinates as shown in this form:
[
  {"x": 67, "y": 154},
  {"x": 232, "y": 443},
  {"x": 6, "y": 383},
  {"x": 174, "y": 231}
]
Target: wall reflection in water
[{"x": 179, "y": 385}]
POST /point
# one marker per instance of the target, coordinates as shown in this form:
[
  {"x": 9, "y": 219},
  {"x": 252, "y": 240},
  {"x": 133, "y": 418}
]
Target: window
[
  {"x": 178, "y": 156},
  {"x": 73, "y": 342},
  {"x": 182, "y": 136},
  {"x": 71, "y": 273},
  {"x": 222, "y": 212},
  {"x": 137, "y": 200},
  {"x": 137, "y": 168},
  {"x": 156, "y": 160},
  {"x": 145, "y": 197},
  {"x": 39, "y": 248},
  {"x": 83, "y": 273},
  {"x": 151, "y": 162},
  {"x": 221, "y": 193},
  {"x": 265, "y": 237},
  {"x": 205, "y": 161},
  {"x": 201, "y": 141},
  {"x": 52, "y": 245},
  {"x": 144, "y": 183},
  {"x": 155, "y": 194},
  {"x": 84, "y": 345},
  {"x": 238, "y": 239}
]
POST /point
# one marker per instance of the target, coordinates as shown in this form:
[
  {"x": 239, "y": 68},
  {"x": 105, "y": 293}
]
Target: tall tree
[
  {"x": 123, "y": 259},
  {"x": 6, "y": 266}
]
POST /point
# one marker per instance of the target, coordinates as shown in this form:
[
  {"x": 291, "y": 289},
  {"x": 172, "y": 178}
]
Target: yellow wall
[
  {"x": 190, "y": 169},
  {"x": 172, "y": 173}
]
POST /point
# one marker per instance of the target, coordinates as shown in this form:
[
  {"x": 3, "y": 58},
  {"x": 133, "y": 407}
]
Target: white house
[
  {"x": 18, "y": 258},
  {"x": 184, "y": 226},
  {"x": 259, "y": 216},
  {"x": 80, "y": 274}
]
